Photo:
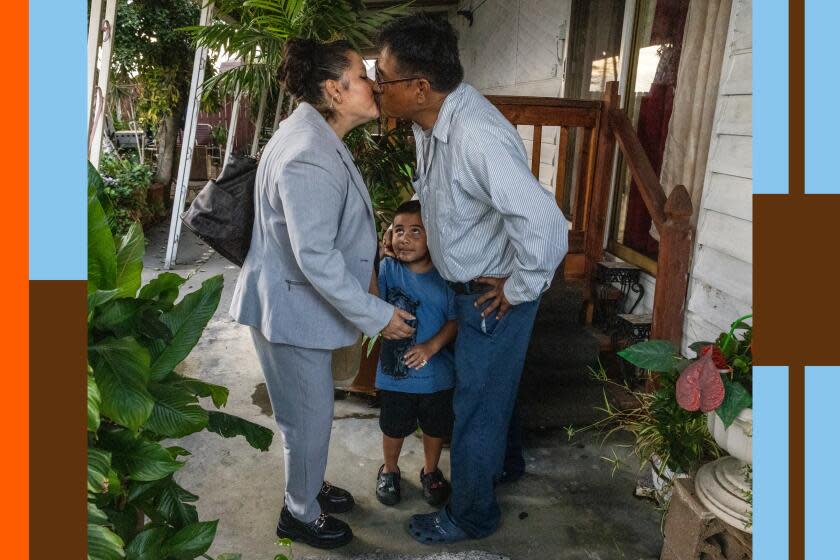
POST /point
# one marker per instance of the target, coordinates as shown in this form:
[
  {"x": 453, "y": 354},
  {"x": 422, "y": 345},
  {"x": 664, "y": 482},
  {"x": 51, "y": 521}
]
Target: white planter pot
[
  {"x": 722, "y": 485},
  {"x": 737, "y": 438}
]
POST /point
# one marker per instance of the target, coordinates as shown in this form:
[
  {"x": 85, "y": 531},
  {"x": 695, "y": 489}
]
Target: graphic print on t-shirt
[{"x": 393, "y": 351}]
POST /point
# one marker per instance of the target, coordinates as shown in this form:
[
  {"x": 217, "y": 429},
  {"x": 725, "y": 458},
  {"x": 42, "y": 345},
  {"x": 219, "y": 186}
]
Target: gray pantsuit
[
  {"x": 300, "y": 387},
  {"x": 303, "y": 288}
]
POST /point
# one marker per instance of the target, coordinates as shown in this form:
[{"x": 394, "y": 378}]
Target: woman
[{"x": 303, "y": 288}]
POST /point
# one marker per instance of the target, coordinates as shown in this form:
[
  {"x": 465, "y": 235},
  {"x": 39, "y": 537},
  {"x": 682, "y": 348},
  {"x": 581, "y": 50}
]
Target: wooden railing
[
  {"x": 604, "y": 126},
  {"x": 578, "y": 121}
]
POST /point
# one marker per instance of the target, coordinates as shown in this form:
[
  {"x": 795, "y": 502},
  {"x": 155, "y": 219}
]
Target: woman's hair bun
[
  {"x": 307, "y": 63},
  {"x": 301, "y": 58}
]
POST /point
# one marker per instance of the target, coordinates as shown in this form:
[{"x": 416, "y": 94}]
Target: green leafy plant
[
  {"x": 660, "y": 427},
  {"x": 728, "y": 358},
  {"x": 126, "y": 182},
  {"x": 255, "y": 31},
  {"x": 137, "y": 335},
  {"x": 386, "y": 163}
]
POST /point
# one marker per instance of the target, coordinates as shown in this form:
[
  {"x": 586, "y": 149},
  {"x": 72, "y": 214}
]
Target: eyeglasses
[{"x": 377, "y": 77}]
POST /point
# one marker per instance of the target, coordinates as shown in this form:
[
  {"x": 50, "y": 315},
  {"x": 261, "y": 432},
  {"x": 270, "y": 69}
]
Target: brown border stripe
[
  {"x": 796, "y": 187},
  {"x": 57, "y": 419}
]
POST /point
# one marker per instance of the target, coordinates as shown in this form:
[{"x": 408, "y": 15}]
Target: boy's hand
[
  {"x": 496, "y": 297},
  {"x": 386, "y": 249},
  {"x": 418, "y": 356}
]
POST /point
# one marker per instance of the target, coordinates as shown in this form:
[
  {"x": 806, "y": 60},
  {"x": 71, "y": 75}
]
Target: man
[{"x": 494, "y": 234}]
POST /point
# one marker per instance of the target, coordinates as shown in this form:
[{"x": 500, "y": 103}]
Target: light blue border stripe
[
  {"x": 821, "y": 86},
  {"x": 822, "y": 387},
  {"x": 770, "y": 462},
  {"x": 57, "y": 140},
  {"x": 770, "y": 97}
]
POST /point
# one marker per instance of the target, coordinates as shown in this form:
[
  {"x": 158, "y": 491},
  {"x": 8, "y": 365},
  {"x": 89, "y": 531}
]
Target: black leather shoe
[
  {"x": 333, "y": 499},
  {"x": 324, "y": 532}
]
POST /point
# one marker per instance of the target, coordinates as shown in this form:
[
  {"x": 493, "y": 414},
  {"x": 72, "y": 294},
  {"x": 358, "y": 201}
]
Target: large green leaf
[
  {"x": 104, "y": 544},
  {"x": 95, "y": 515},
  {"x": 121, "y": 369},
  {"x": 147, "y": 544},
  {"x": 655, "y": 355},
  {"x": 117, "y": 316},
  {"x": 123, "y": 521},
  {"x": 93, "y": 401},
  {"x": 102, "y": 253},
  {"x": 138, "y": 458},
  {"x": 96, "y": 187},
  {"x": 99, "y": 464},
  {"x": 130, "y": 250},
  {"x": 186, "y": 321},
  {"x": 176, "y": 413},
  {"x": 218, "y": 393},
  {"x": 164, "y": 288},
  {"x": 99, "y": 297},
  {"x": 735, "y": 399},
  {"x": 228, "y": 426},
  {"x": 175, "y": 504},
  {"x": 191, "y": 541}
]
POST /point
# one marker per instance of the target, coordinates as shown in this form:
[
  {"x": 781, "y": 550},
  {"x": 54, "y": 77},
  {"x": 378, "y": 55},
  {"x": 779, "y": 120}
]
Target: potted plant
[
  {"x": 715, "y": 385},
  {"x": 674, "y": 442}
]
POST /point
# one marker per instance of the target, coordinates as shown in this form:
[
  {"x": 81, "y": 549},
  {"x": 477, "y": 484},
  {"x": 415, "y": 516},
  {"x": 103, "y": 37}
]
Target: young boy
[{"x": 415, "y": 376}]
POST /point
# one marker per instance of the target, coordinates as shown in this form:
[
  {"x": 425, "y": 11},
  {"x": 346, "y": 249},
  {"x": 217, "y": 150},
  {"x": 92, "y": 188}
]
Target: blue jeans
[{"x": 489, "y": 357}]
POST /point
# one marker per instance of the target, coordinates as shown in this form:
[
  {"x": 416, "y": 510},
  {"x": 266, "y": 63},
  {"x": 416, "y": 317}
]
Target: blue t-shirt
[{"x": 432, "y": 302}]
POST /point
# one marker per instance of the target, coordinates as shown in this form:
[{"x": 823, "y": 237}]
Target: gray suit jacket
[{"x": 306, "y": 277}]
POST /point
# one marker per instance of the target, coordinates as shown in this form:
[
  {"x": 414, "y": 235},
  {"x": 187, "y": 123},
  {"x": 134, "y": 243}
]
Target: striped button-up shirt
[{"x": 484, "y": 212}]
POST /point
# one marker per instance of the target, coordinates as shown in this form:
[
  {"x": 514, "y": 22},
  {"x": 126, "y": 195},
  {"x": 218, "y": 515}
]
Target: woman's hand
[
  {"x": 419, "y": 355},
  {"x": 397, "y": 327}
]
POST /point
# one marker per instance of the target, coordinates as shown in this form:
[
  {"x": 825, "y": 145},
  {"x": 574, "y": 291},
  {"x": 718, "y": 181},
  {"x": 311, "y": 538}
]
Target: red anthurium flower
[
  {"x": 699, "y": 386},
  {"x": 717, "y": 356}
]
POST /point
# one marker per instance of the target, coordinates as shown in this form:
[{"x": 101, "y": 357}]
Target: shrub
[
  {"x": 137, "y": 335},
  {"x": 126, "y": 183}
]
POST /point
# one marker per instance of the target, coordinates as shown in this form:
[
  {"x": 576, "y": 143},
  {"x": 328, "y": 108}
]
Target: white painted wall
[
  {"x": 720, "y": 284},
  {"x": 517, "y": 47}
]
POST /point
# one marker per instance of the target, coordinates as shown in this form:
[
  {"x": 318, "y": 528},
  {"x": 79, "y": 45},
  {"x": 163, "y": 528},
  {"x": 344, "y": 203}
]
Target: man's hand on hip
[
  {"x": 496, "y": 296},
  {"x": 397, "y": 327}
]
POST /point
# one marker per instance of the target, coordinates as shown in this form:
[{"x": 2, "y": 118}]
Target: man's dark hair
[
  {"x": 408, "y": 207},
  {"x": 425, "y": 46}
]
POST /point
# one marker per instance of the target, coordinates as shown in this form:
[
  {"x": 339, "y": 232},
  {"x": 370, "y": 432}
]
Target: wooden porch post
[
  {"x": 600, "y": 199},
  {"x": 675, "y": 237}
]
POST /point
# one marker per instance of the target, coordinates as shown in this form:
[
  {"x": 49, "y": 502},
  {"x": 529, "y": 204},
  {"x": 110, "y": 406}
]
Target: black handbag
[{"x": 222, "y": 214}]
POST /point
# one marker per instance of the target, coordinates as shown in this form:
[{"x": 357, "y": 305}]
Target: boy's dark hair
[
  {"x": 425, "y": 46},
  {"x": 408, "y": 207}
]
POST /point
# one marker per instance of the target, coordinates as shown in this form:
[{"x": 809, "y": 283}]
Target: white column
[
  {"x": 234, "y": 118},
  {"x": 185, "y": 162},
  {"x": 255, "y": 145},
  {"x": 95, "y": 146},
  {"x": 281, "y": 95},
  {"x": 94, "y": 26}
]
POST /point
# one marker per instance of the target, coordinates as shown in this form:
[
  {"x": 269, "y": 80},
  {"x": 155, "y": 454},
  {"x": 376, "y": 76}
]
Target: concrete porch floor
[{"x": 568, "y": 506}]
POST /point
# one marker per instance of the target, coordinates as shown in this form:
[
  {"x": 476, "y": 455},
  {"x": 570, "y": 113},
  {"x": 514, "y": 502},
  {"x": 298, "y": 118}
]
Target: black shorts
[{"x": 400, "y": 413}]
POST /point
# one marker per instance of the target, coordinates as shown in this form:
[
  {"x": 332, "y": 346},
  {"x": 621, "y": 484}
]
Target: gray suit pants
[{"x": 300, "y": 387}]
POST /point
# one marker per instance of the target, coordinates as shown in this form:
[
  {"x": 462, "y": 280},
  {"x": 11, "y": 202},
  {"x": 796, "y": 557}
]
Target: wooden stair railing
[
  {"x": 604, "y": 126},
  {"x": 584, "y": 118},
  {"x": 671, "y": 215}
]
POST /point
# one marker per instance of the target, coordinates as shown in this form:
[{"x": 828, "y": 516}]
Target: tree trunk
[{"x": 166, "y": 138}]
